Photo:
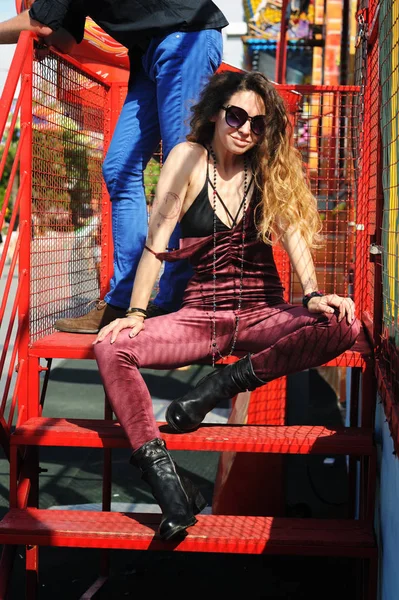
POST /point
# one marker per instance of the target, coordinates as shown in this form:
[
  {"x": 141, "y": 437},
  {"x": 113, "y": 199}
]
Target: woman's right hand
[{"x": 133, "y": 322}]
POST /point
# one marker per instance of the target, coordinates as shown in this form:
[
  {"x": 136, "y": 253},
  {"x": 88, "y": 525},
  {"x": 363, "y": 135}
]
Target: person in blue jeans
[{"x": 174, "y": 48}]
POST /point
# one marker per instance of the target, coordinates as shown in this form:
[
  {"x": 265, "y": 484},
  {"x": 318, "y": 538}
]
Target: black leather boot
[
  {"x": 188, "y": 412},
  {"x": 177, "y": 496}
]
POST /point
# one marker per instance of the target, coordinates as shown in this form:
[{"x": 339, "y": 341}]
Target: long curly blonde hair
[{"x": 286, "y": 199}]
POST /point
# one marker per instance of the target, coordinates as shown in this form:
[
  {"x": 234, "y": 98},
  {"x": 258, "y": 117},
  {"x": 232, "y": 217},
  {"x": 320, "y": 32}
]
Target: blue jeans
[{"x": 173, "y": 71}]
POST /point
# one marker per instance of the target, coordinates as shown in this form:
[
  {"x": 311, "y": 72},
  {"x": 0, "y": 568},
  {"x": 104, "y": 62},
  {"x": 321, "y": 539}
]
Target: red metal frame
[
  {"x": 20, "y": 302},
  {"x": 281, "y": 51},
  {"x": 24, "y": 473},
  {"x": 113, "y": 109},
  {"x": 387, "y": 361},
  {"x": 26, "y": 386}
]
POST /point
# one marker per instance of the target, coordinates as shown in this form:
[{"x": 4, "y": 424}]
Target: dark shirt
[{"x": 132, "y": 23}]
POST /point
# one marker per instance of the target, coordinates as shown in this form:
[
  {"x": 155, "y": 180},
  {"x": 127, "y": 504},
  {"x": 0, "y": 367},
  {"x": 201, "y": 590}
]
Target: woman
[{"x": 237, "y": 187}]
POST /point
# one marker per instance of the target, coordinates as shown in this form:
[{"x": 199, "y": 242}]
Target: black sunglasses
[{"x": 236, "y": 117}]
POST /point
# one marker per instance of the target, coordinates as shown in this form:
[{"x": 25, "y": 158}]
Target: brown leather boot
[{"x": 92, "y": 322}]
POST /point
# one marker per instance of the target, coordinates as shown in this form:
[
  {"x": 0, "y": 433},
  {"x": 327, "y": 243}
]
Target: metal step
[
  {"x": 212, "y": 533},
  {"x": 293, "y": 439},
  {"x": 80, "y": 346}
]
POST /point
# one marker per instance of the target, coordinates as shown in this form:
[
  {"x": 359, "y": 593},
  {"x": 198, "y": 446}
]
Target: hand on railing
[{"x": 41, "y": 51}]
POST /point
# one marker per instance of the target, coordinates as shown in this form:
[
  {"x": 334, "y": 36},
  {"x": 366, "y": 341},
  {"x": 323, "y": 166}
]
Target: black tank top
[{"x": 198, "y": 220}]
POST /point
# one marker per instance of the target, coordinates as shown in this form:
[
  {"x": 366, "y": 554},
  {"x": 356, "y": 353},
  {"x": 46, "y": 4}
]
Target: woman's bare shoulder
[{"x": 188, "y": 151}]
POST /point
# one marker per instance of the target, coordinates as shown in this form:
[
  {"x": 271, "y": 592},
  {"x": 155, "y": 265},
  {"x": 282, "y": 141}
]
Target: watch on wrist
[
  {"x": 307, "y": 297},
  {"x": 133, "y": 310}
]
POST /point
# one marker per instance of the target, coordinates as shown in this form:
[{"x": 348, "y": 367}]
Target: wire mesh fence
[
  {"x": 68, "y": 109},
  {"x": 69, "y": 113},
  {"x": 70, "y": 117},
  {"x": 324, "y": 134},
  {"x": 389, "y": 73}
]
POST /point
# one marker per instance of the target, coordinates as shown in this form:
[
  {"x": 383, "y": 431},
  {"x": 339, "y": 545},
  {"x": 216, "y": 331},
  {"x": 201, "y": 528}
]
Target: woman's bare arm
[
  {"x": 303, "y": 265},
  {"x": 169, "y": 198},
  {"x": 301, "y": 260}
]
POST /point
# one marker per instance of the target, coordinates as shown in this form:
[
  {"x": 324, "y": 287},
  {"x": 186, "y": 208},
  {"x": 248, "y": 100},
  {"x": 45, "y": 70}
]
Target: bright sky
[
  {"x": 231, "y": 8},
  {"x": 7, "y": 10}
]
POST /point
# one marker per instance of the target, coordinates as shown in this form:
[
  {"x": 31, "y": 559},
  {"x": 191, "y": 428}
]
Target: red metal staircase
[{"x": 51, "y": 281}]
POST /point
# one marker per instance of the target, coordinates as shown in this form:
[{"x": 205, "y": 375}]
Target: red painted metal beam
[{"x": 281, "y": 51}]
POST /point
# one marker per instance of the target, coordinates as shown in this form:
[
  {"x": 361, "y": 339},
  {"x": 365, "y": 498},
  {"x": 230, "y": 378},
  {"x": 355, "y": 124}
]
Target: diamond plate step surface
[
  {"x": 212, "y": 533},
  {"x": 293, "y": 439}
]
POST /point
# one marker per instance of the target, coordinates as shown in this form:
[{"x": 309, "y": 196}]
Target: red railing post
[
  {"x": 112, "y": 110},
  {"x": 27, "y": 395},
  {"x": 281, "y": 50}
]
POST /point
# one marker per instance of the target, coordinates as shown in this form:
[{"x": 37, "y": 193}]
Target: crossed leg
[
  {"x": 167, "y": 342},
  {"x": 287, "y": 339}
]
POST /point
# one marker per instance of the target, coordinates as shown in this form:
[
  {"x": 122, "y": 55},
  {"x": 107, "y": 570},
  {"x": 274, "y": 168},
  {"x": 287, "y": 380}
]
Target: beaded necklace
[{"x": 215, "y": 347}]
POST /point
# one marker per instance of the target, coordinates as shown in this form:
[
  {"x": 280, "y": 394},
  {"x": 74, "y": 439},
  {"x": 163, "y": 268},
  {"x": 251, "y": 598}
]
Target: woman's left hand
[{"x": 328, "y": 303}]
